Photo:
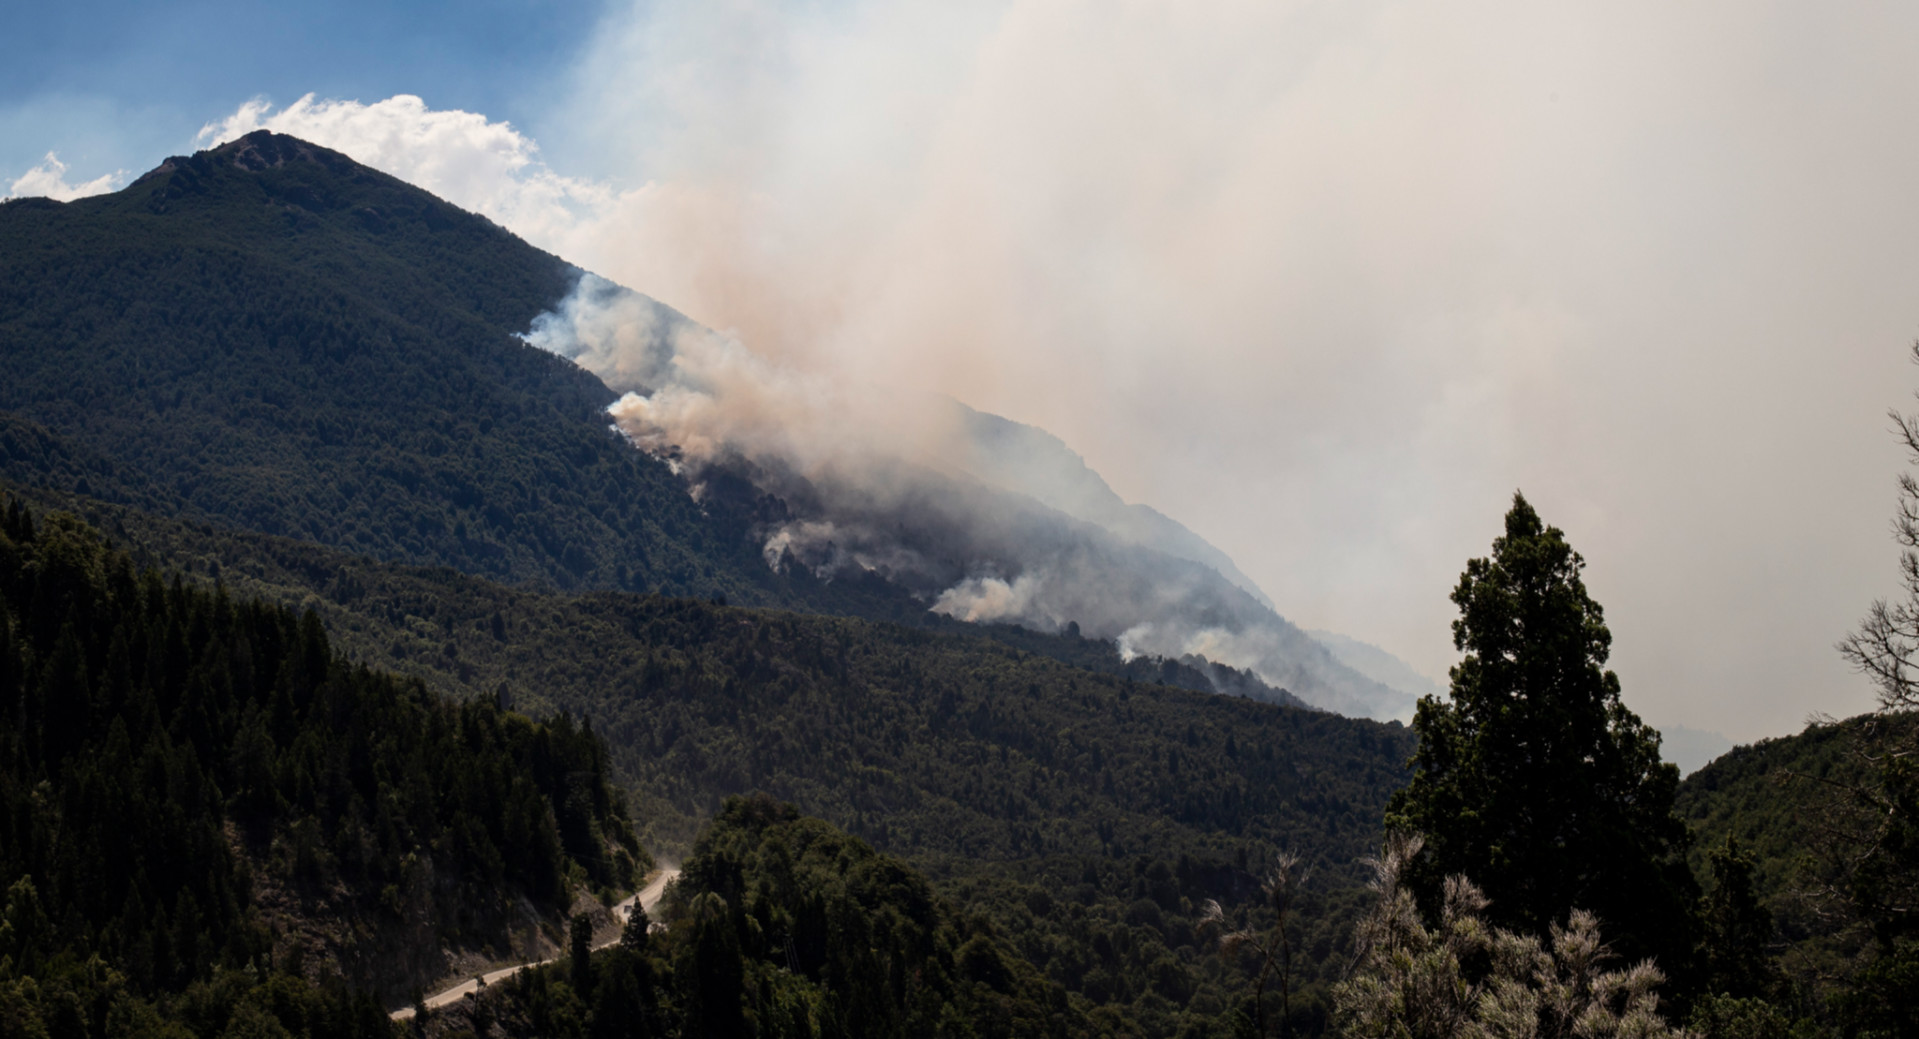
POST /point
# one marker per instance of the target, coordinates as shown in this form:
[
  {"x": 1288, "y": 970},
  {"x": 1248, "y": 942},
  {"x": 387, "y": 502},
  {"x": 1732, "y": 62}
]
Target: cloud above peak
[
  {"x": 479, "y": 164},
  {"x": 49, "y": 180}
]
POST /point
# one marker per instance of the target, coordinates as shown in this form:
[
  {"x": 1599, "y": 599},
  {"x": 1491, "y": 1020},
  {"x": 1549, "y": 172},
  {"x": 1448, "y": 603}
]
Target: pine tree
[{"x": 1532, "y": 777}]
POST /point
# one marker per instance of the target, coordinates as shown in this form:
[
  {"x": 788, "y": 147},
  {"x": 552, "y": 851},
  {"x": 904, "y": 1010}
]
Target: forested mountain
[
  {"x": 292, "y": 385},
  {"x": 206, "y": 812},
  {"x": 272, "y": 337}
]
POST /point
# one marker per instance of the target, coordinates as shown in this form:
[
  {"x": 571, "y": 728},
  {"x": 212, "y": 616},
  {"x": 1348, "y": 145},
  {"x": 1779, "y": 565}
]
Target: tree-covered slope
[
  {"x": 1768, "y": 795},
  {"x": 197, "y": 791},
  {"x": 1085, "y": 816},
  {"x": 1795, "y": 805},
  {"x": 270, "y": 336},
  {"x": 939, "y": 740},
  {"x": 785, "y": 926}
]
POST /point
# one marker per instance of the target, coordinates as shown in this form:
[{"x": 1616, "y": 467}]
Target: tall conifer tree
[{"x": 1533, "y": 779}]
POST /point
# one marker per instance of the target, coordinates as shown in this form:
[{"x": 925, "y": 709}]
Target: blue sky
[{"x": 122, "y": 85}]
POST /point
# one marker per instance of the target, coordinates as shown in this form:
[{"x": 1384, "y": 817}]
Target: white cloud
[
  {"x": 49, "y": 180},
  {"x": 478, "y": 164}
]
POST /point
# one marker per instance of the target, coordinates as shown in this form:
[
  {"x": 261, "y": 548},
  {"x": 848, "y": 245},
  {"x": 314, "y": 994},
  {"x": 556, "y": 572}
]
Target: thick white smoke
[
  {"x": 1326, "y": 280},
  {"x": 984, "y": 519}
]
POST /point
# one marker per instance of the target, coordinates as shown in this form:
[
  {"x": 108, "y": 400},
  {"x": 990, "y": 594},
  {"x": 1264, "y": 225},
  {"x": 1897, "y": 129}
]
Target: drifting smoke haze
[
  {"x": 984, "y": 519},
  {"x": 1324, "y": 281}
]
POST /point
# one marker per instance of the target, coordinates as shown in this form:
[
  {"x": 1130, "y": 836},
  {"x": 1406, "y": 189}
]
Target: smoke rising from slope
[
  {"x": 1326, "y": 281},
  {"x": 945, "y": 501},
  {"x": 1330, "y": 281}
]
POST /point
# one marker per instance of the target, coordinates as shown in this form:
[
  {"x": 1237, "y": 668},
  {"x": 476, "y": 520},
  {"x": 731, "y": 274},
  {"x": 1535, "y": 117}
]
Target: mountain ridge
[{"x": 270, "y": 335}]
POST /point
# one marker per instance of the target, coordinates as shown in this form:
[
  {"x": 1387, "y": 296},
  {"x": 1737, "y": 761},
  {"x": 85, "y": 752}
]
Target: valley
[{"x": 379, "y": 618}]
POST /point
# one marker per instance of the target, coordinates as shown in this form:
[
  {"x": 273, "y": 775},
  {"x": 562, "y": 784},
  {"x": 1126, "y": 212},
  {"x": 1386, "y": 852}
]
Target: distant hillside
[
  {"x": 699, "y": 701},
  {"x": 978, "y": 518},
  {"x": 1380, "y": 666},
  {"x": 1036, "y": 463},
  {"x": 1768, "y": 795}
]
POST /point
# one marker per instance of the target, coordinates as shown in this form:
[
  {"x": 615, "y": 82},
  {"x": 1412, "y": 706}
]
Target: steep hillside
[
  {"x": 976, "y": 517},
  {"x": 204, "y": 809},
  {"x": 270, "y": 336},
  {"x": 1770, "y": 795},
  {"x": 785, "y": 926},
  {"x": 1787, "y": 802}
]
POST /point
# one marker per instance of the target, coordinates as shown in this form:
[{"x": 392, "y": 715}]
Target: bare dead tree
[
  {"x": 1886, "y": 646},
  {"x": 1869, "y": 827}
]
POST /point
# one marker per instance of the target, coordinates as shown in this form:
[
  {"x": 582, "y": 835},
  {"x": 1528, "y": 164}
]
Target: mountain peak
[
  {"x": 261, "y": 150},
  {"x": 264, "y": 149}
]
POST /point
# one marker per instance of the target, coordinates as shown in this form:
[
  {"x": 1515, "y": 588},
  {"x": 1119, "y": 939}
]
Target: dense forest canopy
[
  {"x": 1013, "y": 780},
  {"x": 175, "y": 760}
]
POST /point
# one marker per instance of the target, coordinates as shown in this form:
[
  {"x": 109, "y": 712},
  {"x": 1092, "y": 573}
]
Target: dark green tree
[
  {"x": 580, "y": 940},
  {"x": 713, "y": 975},
  {"x": 620, "y": 1004},
  {"x": 1735, "y": 929},
  {"x": 1532, "y": 777},
  {"x": 633, "y": 936}
]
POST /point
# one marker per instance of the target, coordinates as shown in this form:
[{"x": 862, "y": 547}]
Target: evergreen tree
[
  {"x": 633, "y": 936},
  {"x": 1735, "y": 929},
  {"x": 1532, "y": 777},
  {"x": 581, "y": 942},
  {"x": 713, "y": 974}
]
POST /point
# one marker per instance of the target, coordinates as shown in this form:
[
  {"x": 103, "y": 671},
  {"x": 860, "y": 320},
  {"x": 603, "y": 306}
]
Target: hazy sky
[{"x": 1324, "y": 281}]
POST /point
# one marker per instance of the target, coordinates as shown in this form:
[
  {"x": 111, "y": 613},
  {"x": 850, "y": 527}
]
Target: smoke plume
[
  {"x": 985, "y": 520},
  {"x": 1327, "y": 281}
]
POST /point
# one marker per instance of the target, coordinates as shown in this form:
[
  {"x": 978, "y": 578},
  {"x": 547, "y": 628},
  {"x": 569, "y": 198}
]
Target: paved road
[{"x": 648, "y": 896}]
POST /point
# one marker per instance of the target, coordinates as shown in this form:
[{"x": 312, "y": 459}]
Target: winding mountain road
[{"x": 648, "y": 897}]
